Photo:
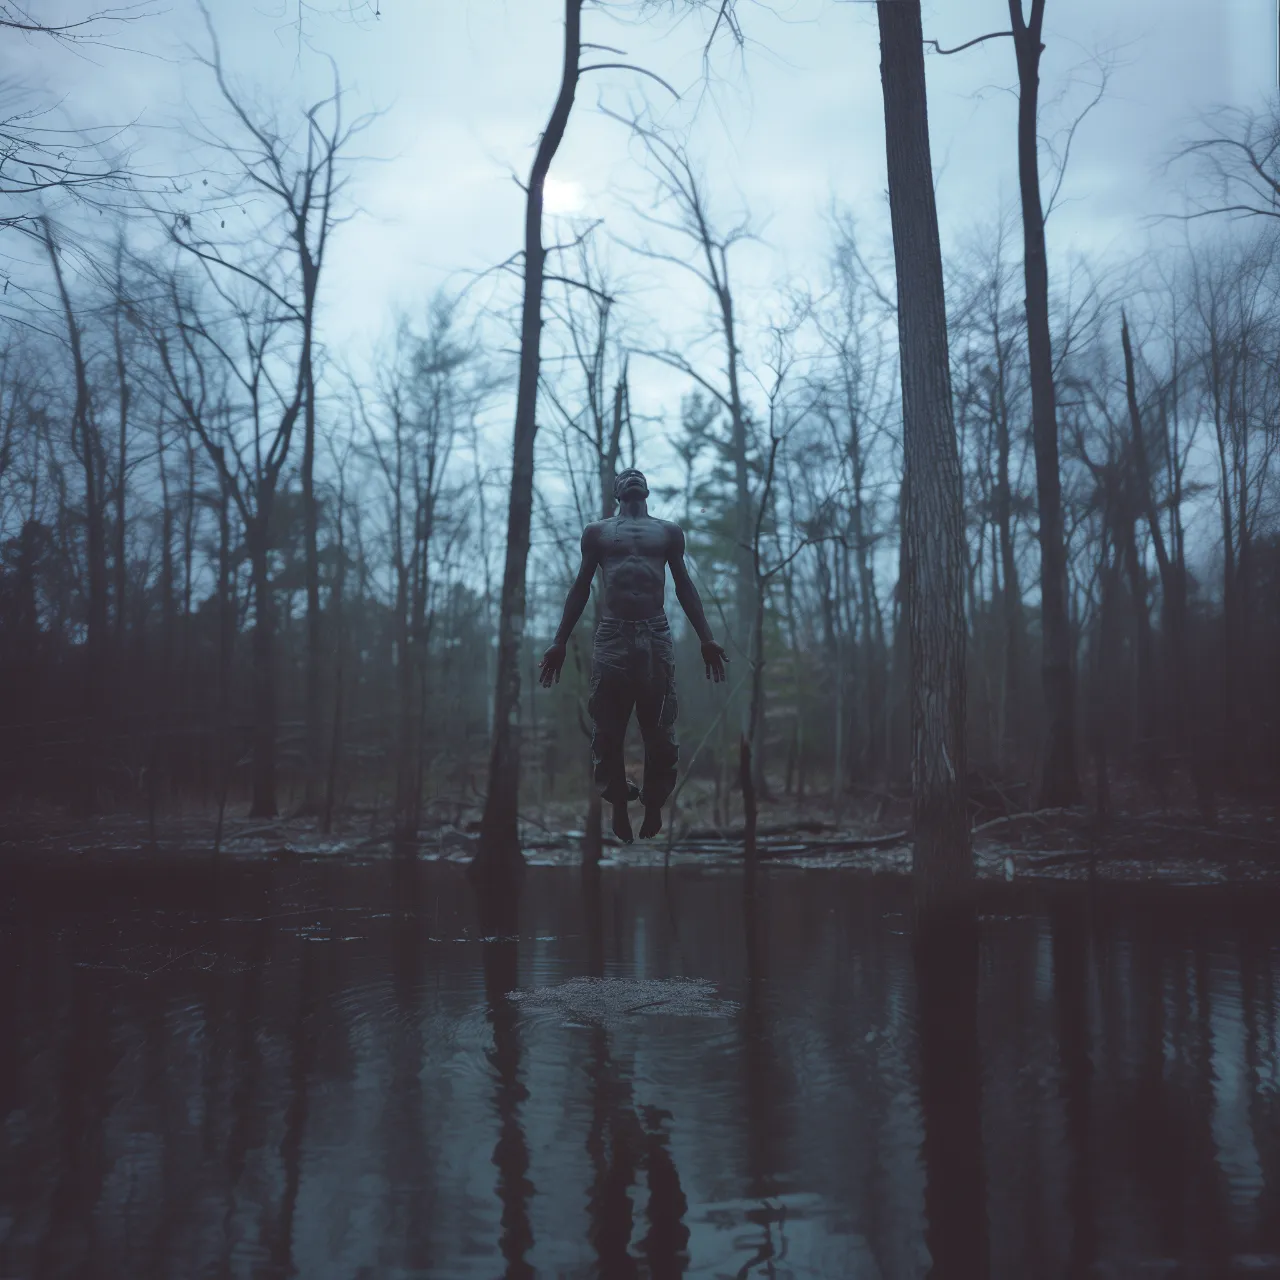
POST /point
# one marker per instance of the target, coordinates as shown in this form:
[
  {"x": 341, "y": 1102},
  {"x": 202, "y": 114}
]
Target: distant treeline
[{"x": 234, "y": 569}]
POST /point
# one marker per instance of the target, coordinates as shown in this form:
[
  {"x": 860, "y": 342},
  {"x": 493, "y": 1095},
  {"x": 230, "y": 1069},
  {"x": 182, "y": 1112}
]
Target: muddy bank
[{"x": 1165, "y": 846}]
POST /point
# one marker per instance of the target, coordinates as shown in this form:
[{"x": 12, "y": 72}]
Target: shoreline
[{"x": 1054, "y": 846}]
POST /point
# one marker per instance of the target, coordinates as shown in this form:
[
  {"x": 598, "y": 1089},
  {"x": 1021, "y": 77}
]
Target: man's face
[{"x": 630, "y": 484}]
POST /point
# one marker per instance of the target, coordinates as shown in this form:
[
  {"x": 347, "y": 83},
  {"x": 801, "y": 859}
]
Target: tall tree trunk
[
  {"x": 1223, "y": 424},
  {"x": 188, "y": 568},
  {"x": 934, "y": 519},
  {"x": 1059, "y": 778},
  {"x": 264, "y": 676},
  {"x": 1143, "y": 649},
  {"x": 866, "y": 597},
  {"x": 405, "y": 718},
  {"x": 1172, "y": 582},
  {"x": 898, "y": 719},
  {"x": 226, "y": 647},
  {"x": 745, "y": 578},
  {"x": 500, "y": 838},
  {"x": 609, "y": 446},
  {"x": 122, "y": 462},
  {"x": 163, "y": 686},
  {"x": 1011, "y": 592},
  {"x": 312, "y": 717},
  {"x": 167, "y": 598},
  {"x": 336, "y": 614},
  {"x": 1105, "y": 663},
  {"x": 86, "y": 445}
]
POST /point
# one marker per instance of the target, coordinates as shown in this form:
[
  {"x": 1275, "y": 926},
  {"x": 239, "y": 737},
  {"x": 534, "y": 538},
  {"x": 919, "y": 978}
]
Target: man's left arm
[{"x": 713, "y": 656}]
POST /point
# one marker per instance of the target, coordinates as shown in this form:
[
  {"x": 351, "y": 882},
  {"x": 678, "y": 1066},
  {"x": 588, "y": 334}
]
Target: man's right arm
[{"x": 580, "y": 592}]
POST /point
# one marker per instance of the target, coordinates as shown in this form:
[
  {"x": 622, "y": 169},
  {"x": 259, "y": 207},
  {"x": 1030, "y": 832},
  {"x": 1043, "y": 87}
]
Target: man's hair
[{"x": 622, "y": 475}]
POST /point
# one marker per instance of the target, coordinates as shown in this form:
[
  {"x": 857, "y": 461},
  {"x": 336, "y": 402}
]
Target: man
[{"x": 633, "y": 662}]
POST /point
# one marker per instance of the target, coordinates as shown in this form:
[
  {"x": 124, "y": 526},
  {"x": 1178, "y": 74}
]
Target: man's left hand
[{"x": 714, "y": 658}]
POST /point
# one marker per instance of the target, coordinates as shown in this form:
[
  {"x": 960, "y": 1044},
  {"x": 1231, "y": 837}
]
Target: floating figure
[{"x": 633, "y": 661}]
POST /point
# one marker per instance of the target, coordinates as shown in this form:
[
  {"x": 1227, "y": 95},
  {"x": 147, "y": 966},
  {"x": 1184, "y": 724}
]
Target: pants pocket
[{"x": 669, "y": 710}]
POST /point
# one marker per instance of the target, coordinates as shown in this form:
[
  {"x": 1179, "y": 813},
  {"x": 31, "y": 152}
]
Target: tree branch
[{"x": 968, "y": 44}]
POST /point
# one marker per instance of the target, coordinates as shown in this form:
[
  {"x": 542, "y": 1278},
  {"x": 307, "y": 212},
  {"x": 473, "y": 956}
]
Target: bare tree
[
  {"x": 1059, "y": 777},
  {"x": 782, "y": 418},
  {"x": 996, "y": 387},
  {"x": 297, "y": 169},
  {"x": 592, "y": 424},
  {"x": 247, "y": 434},
  {"x": 1233, "y": 295},
  {"x": 86, "y": 444},
  {"x": 499, "y": 851},
  {"x": 683, "y": 209},
  {"x": 856, "y": 400},
  {"x": 500, "y": 846},
  {"x": 39, "y": 158},
  {"x": 934, "y": 518},
  {"x": 424, "y": 399},
  {"x": 1238, "y": 162}
]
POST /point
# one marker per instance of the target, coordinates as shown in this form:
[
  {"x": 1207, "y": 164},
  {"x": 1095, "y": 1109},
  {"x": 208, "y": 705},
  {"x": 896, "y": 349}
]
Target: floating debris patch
[{"x": 610, "y": 1000}]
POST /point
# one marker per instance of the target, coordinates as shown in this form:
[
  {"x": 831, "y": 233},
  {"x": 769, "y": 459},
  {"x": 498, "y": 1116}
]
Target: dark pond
[{"x": 315, "y": 1070}]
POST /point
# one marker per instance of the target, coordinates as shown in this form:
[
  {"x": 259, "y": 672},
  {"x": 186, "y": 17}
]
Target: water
[{"x": 315, "y": 1071}]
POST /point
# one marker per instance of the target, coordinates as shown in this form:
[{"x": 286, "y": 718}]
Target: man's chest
[{"x": 632, "y": 539}]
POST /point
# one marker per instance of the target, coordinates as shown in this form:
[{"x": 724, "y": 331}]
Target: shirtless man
[{"x": 633, "y": 662}]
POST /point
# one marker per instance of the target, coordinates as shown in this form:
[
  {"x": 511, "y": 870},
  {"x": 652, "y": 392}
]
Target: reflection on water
[{"x": 316, "y": 1071}]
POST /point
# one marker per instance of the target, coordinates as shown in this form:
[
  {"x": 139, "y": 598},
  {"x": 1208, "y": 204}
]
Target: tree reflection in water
[
  {"x": 1070, "y": 924},
  {"x": 499, "y": 916},
  {"x": 945, "y": 946},
  {"x": 762, "y": 1079},
  {"x": 410, "y": 1176},
  {"x": 315, "y": 1069},
  {"x": 621, "y": 1141}
]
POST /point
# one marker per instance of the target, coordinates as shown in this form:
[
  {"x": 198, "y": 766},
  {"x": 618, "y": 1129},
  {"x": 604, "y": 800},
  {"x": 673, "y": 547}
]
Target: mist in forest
[
  {"x": 945, "y": 335},
  {"x": 255, "y": 486}
]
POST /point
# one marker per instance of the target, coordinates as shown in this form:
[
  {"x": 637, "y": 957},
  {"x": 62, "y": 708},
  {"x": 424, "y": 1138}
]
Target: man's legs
[
  {"x": 656, "y": 711},
  {"x": 610, "y": 708}
]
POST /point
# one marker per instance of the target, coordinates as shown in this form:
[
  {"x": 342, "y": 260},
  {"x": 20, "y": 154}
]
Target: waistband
[{"x": 634, "y": 624}]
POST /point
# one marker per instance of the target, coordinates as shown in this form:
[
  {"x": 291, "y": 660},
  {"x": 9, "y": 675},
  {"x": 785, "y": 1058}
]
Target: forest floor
[{"x": 1169, "y": 845}]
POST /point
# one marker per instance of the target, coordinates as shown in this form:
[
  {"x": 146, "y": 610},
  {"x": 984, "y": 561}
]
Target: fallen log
[
  {"x": 811, "y": 826},
  {"x": 1032, "y": 815}
]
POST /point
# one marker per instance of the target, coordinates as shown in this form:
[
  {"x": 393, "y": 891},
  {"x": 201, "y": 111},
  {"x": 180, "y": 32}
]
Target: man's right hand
[{"x": 552, "y": 662}]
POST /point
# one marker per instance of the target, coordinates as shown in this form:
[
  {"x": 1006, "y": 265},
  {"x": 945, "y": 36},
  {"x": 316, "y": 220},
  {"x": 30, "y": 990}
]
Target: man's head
[{"x": 630, "y": 484}]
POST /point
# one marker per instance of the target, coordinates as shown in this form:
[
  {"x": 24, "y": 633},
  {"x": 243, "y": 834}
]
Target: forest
[
  {"x": 326, "y": 327},
  {"x": 242, "y": 573}
]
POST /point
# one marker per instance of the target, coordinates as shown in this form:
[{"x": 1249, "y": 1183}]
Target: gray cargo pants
[{"x": 633, "y": 666}]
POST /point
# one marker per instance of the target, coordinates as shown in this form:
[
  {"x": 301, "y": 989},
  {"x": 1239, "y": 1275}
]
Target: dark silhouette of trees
[
  {"x": 426, "y": 391},
  {"x": 298, "y": 171},
  {"x": 170, "y": 548},
  {"x": 683, "y": 208},
  {"x": 254, "y": 312},
  {"x": 40, "y": 159},
  {"x": 87, "y": 446}
]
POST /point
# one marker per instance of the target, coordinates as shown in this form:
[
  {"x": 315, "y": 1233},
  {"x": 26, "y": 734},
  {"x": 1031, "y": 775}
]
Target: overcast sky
[{"x": 791, "y": 122}]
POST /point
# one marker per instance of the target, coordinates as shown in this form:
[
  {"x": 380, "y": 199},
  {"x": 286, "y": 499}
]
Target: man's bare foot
[
  {"x": 622, "y": 824},
  {"x": 652, "y": 823}
]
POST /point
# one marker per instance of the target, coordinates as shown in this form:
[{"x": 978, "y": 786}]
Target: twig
[{"x": 1036, "y": 814}]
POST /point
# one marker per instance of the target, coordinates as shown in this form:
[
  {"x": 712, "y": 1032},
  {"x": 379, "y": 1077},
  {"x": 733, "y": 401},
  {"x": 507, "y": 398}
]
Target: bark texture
[{"x": 933, "y": 515}]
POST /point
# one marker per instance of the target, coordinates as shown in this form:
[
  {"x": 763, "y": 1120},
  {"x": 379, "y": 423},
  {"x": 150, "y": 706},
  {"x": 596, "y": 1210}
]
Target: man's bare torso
[{"x": 632, "y": 552}]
